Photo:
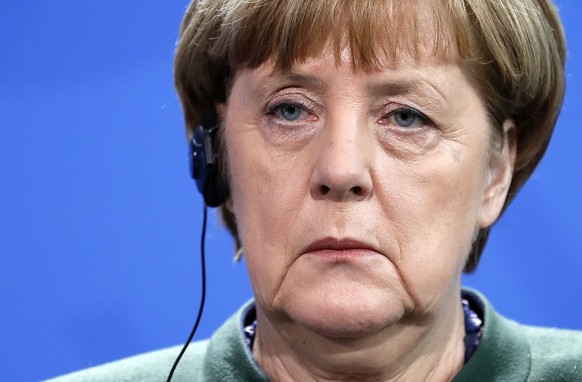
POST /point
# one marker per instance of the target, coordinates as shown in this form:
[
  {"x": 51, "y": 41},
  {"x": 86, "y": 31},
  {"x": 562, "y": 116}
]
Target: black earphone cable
[{"x": 202, "y": 299}]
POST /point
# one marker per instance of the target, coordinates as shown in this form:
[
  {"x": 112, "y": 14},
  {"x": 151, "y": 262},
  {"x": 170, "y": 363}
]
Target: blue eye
[
  {"x": 289, "y": 112},
  {"x": 408, "y": 118}
]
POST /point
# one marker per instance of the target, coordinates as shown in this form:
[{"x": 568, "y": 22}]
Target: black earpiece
[
  {"x": 206, "y": 171},
  {"x": 204, "y": 162}
]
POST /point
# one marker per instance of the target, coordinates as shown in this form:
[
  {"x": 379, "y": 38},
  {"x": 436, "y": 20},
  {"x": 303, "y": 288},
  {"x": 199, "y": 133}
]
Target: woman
[{"x": 365, "y": 149}]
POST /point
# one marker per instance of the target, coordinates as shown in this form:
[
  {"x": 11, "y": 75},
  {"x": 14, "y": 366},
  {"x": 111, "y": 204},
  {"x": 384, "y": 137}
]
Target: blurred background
[{"x": 100, "y": 222}]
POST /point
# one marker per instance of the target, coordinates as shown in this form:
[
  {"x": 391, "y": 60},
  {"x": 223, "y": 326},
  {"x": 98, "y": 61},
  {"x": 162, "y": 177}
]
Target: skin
[{"x": 326, "y": 152}]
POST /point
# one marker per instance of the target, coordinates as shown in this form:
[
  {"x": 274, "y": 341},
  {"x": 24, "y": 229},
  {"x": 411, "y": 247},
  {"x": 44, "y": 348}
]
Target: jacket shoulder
[
  {"x": 511, "y": 352},
  {"x": 152, "y": 366},
  {"x": 556, "y": 354}
]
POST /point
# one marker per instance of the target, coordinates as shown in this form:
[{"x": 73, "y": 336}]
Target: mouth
[{"x": 339, "y": 250}]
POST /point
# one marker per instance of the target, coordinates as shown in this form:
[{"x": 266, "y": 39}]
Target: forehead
[
  {"x": 369, "y": 34},
  {"x": 431, "y": 79}
]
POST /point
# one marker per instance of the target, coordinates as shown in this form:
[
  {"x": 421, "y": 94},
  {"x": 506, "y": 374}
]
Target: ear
[
  {"x": 228, "y": 205},
  {"x": 500, "y": 172},
  {"x": 220, "y": 108}
]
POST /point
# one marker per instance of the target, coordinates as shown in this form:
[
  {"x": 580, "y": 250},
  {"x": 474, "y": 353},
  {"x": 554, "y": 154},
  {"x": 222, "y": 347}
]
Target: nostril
[
  {"x": 324, "y": 189},
  {"x": 356, "y": 190}
]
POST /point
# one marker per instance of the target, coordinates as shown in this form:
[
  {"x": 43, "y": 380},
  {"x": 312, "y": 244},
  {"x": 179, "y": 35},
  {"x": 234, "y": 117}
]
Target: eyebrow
[
  {"x": 308, "y": 81},
  {"x": 402, "y": 87},
  {"x": 280, "y": 79}
]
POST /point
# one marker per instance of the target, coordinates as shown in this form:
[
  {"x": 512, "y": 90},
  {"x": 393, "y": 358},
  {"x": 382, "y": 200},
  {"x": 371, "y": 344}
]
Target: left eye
[
  {"x": 408, "y": 117},
  {"x": 288, "y": 111}
]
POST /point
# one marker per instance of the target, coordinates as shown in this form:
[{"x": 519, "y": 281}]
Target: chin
[{"x": 350, "y": 315}]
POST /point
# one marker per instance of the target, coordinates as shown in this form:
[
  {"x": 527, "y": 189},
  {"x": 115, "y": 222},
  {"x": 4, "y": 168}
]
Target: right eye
[{"x": 290, "y": 112}]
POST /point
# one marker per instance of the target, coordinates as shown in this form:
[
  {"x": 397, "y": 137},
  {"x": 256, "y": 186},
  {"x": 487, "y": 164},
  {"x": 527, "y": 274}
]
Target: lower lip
[{"x": 342, "y": 256}]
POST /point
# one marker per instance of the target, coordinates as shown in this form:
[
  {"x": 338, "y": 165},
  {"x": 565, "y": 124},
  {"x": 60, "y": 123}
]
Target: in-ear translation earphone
[
  {"x": 205, "y": 169},
  {"x": 205, "y": 165}
]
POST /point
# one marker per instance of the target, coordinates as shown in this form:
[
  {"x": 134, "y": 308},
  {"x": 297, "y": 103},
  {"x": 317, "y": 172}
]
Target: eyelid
[
  {"x": 270, "y": 109},
  {"x": 291, "y": 96},
  {"x": 414, "y": 111},
  {"x": 389, "y": 110}
]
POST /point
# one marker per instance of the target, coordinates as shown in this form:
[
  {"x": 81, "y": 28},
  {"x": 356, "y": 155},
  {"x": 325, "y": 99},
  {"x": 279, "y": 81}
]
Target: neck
[{"x": 430, "y": 350}]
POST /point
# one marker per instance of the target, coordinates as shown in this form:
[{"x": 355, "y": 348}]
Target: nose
[{"x": 343, "y": 161}]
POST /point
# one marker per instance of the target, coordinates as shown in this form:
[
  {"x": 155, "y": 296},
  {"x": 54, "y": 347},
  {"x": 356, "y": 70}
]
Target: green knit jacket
[{"x": 508, "y": 352}]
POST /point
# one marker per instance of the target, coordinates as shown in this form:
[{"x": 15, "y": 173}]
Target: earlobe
[
  {"x": 500, "y": 173},
  {"x": 220, "y": 110},
  {"x": 228, "y": 205}
]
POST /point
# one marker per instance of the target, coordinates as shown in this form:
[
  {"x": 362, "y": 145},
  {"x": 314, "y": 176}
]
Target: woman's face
[{"x": 357, "y": 194}]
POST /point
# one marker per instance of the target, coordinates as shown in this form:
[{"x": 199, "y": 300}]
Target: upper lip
[{"x": 335, "y": 244}]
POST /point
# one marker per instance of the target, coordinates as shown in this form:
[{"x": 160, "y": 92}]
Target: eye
[
  {"x": 288, "y": 111},
  {"x": 408, "y": 118}
]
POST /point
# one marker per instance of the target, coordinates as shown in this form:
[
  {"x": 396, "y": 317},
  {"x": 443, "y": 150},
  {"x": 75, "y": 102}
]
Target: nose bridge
[
  {"x": 344, "y": 141},
  {"x": 344, "y": 157}
]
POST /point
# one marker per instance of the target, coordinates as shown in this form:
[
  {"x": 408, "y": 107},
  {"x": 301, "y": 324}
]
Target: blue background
[{"x": 99, "y": 221}]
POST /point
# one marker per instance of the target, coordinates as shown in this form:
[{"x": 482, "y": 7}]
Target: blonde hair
[{"x": 512, "y": 50}]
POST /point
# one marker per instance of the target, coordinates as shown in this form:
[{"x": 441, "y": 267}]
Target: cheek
[
  {"x": 266, "y": 195},
  {"x": 431, "y": 207},
  {"x": 268, "y": 192}
]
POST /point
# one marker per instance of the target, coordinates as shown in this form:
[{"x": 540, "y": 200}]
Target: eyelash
[
  {"x": 422, "y": 118},
  {"x": 418, "y": 116},
  {"x": 277, "y": 108}
]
